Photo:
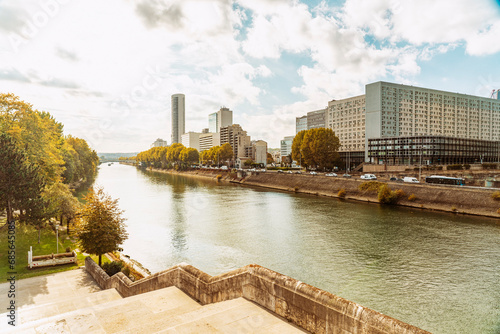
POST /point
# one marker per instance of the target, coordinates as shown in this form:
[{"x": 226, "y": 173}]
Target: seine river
[{"x": 440, "y": 272}]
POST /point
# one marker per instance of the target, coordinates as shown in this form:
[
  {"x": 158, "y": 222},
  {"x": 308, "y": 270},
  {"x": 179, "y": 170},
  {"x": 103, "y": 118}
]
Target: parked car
[
  {"x": 280, "y": 171},
  {"x": 298, "y": 172},
  {"x": 393, "y": 179},
  {"x": 330, "y": 174},
  {"x": 313, "y": 173},
  {"x": 346, "y": 175},
  {"x": 289, "y": 172},
  {"x": 223, "y": 167},
  {"x": 368, "y": 177},
  {"x": 409, "y": 179}
]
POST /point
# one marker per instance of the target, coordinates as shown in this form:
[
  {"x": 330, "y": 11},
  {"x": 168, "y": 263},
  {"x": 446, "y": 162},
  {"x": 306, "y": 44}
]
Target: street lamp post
[{"x": 57, "y": 237}]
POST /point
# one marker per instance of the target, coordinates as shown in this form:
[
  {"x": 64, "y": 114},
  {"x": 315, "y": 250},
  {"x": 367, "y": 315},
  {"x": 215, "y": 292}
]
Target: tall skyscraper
[
  {"x": 220, "y": 119},
  {"x": 178, "y": 117}
]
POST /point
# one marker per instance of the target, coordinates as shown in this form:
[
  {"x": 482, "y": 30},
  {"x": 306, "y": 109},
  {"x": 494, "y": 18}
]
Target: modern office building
[
  {"x": 430, "y": 150},
  {"x": 191, "y": 139},
  {"x": 286, "y": 146},
  {"x": 178, "y": 117},
  {"x": 300, "y": 124},
  {"x": 219, "y": 119},
  {"x": 236, "y": 137},
  {"x": 208, "y": 140},
  {"x": 159, "y": 143},
  {"x": 316, "y": 119}
]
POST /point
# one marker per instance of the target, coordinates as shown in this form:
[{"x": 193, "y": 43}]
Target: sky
[{"x": 107, "y": 69}]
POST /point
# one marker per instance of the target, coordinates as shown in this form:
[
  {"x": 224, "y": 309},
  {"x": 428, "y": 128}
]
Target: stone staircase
[{"x": 71, "y": 302}]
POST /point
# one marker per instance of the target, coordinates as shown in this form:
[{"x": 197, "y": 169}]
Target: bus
[{"x": 438, "y": 179}]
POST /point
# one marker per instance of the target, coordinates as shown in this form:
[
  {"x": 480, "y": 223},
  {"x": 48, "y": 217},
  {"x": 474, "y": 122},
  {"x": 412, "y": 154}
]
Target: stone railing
[{"x": 310, "y": 308}]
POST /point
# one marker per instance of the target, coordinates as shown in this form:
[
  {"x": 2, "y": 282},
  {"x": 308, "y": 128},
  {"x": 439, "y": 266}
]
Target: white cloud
[{"x": 117, "y": 66}]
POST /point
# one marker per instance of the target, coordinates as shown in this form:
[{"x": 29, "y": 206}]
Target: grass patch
[{"x": 26, "y": 236}]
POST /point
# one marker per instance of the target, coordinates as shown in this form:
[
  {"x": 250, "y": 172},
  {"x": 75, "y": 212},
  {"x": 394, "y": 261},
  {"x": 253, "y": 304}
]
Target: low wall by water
[
  {"x": 308, "y": 307},
  {"x": 473, "y": 201},
  {"x": 435, "y": 197}
]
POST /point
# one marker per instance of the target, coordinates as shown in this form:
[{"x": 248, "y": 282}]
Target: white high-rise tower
[{"x": 178, "y": 117}]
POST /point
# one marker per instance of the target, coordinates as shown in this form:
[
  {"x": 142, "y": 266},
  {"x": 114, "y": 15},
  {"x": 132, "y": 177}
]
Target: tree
[
  {"x": 270, "y": 158},
  {"x": 248, "y": 162},
  {"x": 101, "y": 228},
  {"x": 318, "y": 147},
  {"x": 226, "y": 152},
  {"x": 21, "y": 182},
  {"x": 296, "y": 146},
  {"x": 189, "y": 155}
]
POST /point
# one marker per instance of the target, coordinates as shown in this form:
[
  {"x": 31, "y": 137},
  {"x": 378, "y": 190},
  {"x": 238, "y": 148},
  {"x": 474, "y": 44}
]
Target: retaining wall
[
  {"x": 435, "y": 197},
  {"x": 310, "y": 308}
]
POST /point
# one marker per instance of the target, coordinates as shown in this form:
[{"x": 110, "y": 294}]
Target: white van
[{"x": 410, "y": 179}]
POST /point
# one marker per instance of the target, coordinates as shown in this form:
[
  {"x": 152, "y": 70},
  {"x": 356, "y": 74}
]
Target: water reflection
[{"x": 434, "y": 270}]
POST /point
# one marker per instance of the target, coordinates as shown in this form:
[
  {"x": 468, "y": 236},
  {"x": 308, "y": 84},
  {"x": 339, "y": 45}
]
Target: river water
[{"x": 437, "y": 271}]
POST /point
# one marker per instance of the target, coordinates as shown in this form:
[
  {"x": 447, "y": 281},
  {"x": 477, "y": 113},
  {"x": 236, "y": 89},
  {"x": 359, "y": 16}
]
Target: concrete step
[
  {"x": 58, "y": 306},
  {"x": 166, "y": 310},
  {"x": 51, "y": 288}
]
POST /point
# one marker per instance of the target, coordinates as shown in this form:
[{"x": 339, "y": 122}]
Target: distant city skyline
[{"x": 108, "y": 75}]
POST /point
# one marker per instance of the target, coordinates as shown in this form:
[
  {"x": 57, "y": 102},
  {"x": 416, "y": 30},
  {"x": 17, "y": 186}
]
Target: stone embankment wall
[
  {"x": 434, "y": 197},
  {"x": 310, "y": 308},
  {"x": 456, "y": 199}
]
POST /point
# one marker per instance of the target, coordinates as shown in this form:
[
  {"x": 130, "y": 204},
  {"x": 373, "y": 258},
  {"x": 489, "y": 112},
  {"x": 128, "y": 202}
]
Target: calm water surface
[{"x": 440, "y": 272}]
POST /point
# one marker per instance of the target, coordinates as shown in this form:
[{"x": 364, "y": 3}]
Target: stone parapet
[{"x": 306, "y": 306}]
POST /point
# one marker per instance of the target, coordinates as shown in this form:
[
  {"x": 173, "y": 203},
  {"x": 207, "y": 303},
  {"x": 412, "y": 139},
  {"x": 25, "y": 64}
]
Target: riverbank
[{"x": 460, "y": 200}]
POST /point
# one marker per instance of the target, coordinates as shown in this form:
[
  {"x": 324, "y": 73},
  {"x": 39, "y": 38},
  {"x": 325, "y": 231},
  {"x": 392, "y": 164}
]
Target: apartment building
[
  {"x": 236, "y": 137},
  {"x": 346, "y": 118}
]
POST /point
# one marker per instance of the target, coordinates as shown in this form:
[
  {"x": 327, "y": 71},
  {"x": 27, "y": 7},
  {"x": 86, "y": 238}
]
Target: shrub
[
  {"x": 126, "y": 271},
  {"x": 112, "y": 268},
  {"x": 496, "y": 196},
  {"x": 387, "y": 196},
  {"x": 372, "y": 186},
  {"x": 399, "y": 194},
  {"x": 412, "y": 197},
  {"x": 68, "y": 249},
  {"x": 296, "y": 189},
  {"x": 454, "y": 208},
  {"x": 219, "y": 177},
  {"x": 341, "y": 193}
]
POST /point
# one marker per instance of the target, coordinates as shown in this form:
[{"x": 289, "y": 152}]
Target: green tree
[
  {"x": 21, "y": 182},
  {"x": 248, "y": 162},
  {"x": 101, "y": 227}
]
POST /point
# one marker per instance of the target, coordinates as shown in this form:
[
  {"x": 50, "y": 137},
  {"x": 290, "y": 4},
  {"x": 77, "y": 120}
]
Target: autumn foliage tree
[
  {"x": 316, "y": 148},
  {"x": 100, "y": 228},
  {"x": 36, "y": 159}
]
